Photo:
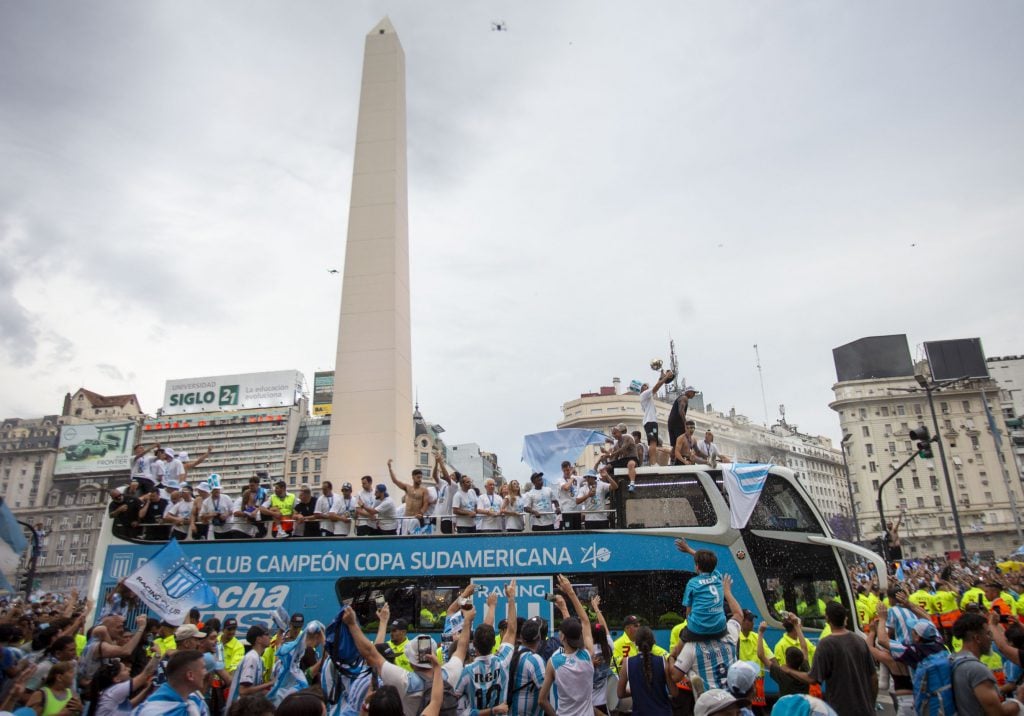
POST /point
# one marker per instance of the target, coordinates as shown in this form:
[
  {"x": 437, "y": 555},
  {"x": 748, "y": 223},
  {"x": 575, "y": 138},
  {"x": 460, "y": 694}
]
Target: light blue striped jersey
[
  {"x": 484, "y": 681},
  {"x": 711, "y": 660},
  {"x": 526, "y": 685}
]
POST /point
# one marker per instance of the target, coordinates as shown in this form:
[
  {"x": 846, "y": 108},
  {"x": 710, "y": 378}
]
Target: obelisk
[{"x": 372, "y": 408}]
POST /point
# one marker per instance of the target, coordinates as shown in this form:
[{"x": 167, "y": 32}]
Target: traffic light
[
  {"x": 25, "y": 584},
  {"x": 924, "y": 442}
]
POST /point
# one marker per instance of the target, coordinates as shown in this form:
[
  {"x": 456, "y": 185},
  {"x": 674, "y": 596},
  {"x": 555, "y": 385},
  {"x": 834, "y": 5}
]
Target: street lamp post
[
  {"x": 849, "y": 485},
  {"x": 878, "y": 501},
  {"x": 929, "y": 388}
]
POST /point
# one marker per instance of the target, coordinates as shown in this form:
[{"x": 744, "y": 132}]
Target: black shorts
[{"x": 651, "y": 429}]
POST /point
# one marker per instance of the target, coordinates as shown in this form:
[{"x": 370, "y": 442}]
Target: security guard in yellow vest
[
  {"x": 975, "y": 595},
  {"x": 399, "y": 638},
  {"x": 280, "y": 507}
]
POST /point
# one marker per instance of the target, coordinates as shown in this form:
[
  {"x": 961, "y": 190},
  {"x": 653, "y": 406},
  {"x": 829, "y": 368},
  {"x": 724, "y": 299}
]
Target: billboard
[
  {"x": 960, "y": 358},
  {"x": 94, "y": 447},
  {"x": 874, "y": 357},
  {"x": 232, "y": 392},
  {"x": 323, "y": 392}
]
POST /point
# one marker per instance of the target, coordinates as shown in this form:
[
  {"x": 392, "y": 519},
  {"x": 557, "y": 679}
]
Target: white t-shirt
[
  {"x": 445, "y": 497},
  {"x": 241, "y": 524},
  {"x": 541, "y": 500},
  {"x": 249, "y": 673},
  {"x": 490, "y": 503},
  {"x": 173, "y": 470},
  {"x": 365, "y": 499},
  {"x": 115, "y": 700},
  {"x": 335, "y": 505},
  {"x": 648, "y": 405},
  {"x": 595, "y": 502},
  {"x": 181, "y": 510},
  {"x": 141, "y": 467},
  {"x": 222, "y": 506},
  {"x": 157, "y": 470},
  {"x": 566, "y": 494},
  {"x": 431, "y": 506},
  {"x": 387, "y": 517},
  {"x": 465, "y": 500},
  {"x": 517, "y": 522}
]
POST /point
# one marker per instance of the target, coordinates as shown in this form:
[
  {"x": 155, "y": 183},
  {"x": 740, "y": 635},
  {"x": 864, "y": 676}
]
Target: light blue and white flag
[
  {"x": 343, "y": 692},
  {"x": 544, "y": 452},
  {"x": 165, "y": 702},
  {"x": 12, "y": 544},
  {"x": 287, "y": 674},
  {"x": 743, "y": 484},
  {"x": 170, "y": 584}
]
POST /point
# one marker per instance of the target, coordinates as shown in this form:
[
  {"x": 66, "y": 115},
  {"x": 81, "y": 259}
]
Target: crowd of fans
[{"x": 946, "y": 638}]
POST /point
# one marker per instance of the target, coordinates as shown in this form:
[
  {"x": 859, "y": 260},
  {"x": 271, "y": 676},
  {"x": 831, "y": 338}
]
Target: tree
[{"x": 842, "y": 527}]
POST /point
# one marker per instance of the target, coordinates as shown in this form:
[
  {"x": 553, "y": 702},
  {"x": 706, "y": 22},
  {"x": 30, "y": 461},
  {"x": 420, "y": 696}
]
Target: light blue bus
[{"x": 784, "y": 559}]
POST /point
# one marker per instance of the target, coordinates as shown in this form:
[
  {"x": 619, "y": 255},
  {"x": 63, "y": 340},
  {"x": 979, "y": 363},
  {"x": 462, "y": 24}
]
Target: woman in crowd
[
  {"x": 57, "y": 697},
  {"x": 114, "y": 691},
  {"x": 513, "y": 508},
  {"x": 645, "y": 678}
]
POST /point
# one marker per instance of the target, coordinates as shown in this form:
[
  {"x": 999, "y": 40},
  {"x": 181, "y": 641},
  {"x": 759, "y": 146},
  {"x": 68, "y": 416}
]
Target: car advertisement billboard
[
  {"x": 323, "y": 392},
  {"x": 94, "y": 447},
  {"x": 232, "y": 392}
]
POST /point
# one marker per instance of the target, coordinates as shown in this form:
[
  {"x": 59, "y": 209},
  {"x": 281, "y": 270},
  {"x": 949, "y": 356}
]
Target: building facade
[
  {"x": 879, "y": 413},
  {"x": 1008, "y": 373}
]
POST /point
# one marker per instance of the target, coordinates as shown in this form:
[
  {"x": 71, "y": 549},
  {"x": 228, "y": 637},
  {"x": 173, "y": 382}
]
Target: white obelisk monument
[{"x": 372, "y": 409}]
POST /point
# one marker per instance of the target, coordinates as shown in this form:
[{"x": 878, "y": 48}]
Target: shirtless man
[
  {"x": 685, "y": 450},
  {"x": 416, "y": 495}
]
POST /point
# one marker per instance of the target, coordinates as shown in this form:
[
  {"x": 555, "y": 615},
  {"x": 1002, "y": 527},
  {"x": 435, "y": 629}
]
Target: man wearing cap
[
  {"x": 464, "y": 507},
  {"x": 383, "y": 511},
  {"x": 248, "y": 679},
  {"x": 174, "y": 470},
  {"x": 280, "y": 507},
  {"x": 719, "y": 702},
  {"x": 593, "y": 499},
  {"x": 540, "y": 503},
  {"x": 411, "y": 685},
  {"x": 335, "y": 511},
  {"x": 622, "y": 454},
  {"x": 234, "y": 650},
  {"x": 216, "y": 511},
  {"x": 364, "y": 507},
  {"x": 740, "y": 682},
  {"x": 677, "y": 415},
  {"x": 624, "y": 646},
  {"x": 399, "y": 638}
]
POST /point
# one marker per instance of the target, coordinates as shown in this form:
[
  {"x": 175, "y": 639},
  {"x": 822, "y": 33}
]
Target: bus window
[
  {"x": 678, "y": 502},
  {"x": 796, "y": 577},
  {"x": 434, "y": 602},
  {"x": 781, "y": 507},
  {"x": 361, "y": 595},
  {"x": 655, "y": 597}
]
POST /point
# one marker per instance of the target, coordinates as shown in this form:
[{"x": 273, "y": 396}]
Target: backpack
[
  {"x": 449, "y": 700},
  {"x": 933, "y": 686}
]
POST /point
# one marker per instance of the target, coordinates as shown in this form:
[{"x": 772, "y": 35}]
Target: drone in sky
[{"x": 499, "y": 26}]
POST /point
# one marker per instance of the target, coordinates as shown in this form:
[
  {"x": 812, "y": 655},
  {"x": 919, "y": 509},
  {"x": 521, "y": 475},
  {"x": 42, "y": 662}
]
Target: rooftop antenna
[{"x": 760, "y": 374}]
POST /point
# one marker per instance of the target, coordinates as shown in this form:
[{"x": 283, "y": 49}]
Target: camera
[{"x": 218, "y": 521}]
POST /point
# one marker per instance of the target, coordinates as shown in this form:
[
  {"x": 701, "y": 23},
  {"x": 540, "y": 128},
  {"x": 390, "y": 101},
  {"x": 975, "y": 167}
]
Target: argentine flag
[
  {"x": 170, "y": 584},
  {"x": 544, "y": 452},
  {"x": 288, "y": 676},
  {"x": 744, "y": 484}
]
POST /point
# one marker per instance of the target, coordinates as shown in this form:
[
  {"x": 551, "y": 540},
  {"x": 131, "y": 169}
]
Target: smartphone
[
  {"x": 381, "y": 601},
  {"x": 466, "y": 603},
  {"x": 423, "y": 647},
  {"x": 549, "y": 597}
]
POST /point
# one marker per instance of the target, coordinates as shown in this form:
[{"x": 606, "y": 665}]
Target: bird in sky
[
  {"x": 499, "y": 26},
  {"x": 332, "y": 270}
]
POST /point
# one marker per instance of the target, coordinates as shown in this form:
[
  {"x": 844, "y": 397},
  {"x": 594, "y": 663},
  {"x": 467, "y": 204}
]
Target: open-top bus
[{"x": 783, "y": 560}]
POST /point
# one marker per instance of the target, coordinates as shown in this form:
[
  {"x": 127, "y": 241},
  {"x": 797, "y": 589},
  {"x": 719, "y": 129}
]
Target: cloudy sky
[{"x": 598, "y": 178}]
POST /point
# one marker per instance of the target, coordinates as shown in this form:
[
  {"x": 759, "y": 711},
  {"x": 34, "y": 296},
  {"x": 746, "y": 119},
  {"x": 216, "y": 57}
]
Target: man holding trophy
[{"x": 647, "y": 393}]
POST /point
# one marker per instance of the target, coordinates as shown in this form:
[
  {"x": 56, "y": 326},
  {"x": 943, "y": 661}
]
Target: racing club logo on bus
[
  {"x": 594, "y": 554},
  {"x": 120, "y": 565},
  {"x": 181, "y": 581}
]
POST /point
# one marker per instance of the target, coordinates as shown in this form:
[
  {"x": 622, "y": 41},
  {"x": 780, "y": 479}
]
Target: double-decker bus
[{"x": 784, "y": 559}]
